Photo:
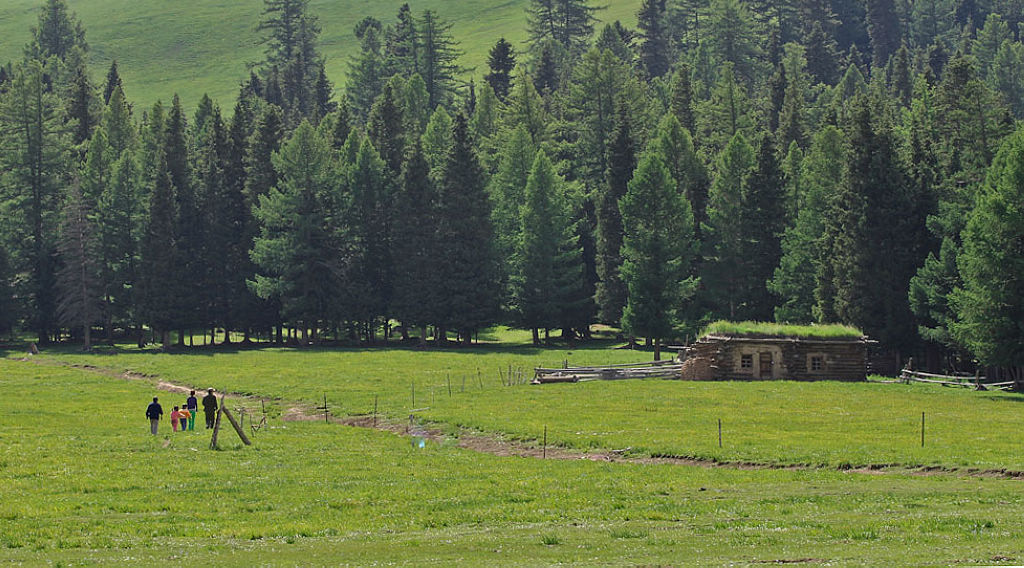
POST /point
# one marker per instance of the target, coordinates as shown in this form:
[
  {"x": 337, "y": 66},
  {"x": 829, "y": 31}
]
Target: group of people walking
[{"x": 183, "y": 416}]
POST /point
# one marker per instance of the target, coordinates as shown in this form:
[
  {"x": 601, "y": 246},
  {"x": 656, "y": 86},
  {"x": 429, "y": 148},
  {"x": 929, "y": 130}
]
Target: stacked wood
[{"x": 653, "y": 370}]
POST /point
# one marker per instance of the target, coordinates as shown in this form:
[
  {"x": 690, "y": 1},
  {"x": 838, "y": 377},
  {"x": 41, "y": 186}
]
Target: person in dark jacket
[
  {"x": 210, "y": 407},
  {"x": 154, "y": 411},
  {"x": 193, "y": 408}
]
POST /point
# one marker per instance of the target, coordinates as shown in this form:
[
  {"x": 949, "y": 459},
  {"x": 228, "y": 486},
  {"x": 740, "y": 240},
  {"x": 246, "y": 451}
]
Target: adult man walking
[
  {"x": 154, "y": 412},
  {"x": 210, "y": 407}
]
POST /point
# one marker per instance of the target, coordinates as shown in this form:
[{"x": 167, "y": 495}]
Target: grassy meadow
[
  {"x": 83, "y": 483},
  {"x": 827, "y": 423},
  {"x": 193, "y": 47}
]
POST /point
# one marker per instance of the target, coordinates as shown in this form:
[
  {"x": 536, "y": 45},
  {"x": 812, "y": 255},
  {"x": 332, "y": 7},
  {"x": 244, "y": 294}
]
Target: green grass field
[
  {"x": 825, "y": 423},
  {"x": 83, "y": 483},
  {"x": 204, "y": 46}
]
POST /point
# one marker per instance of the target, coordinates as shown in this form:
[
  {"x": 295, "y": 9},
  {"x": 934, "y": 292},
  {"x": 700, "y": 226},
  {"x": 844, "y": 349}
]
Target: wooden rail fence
[
  {"x": 667, "y": 369},
  {"x": 969, "y": 381}
]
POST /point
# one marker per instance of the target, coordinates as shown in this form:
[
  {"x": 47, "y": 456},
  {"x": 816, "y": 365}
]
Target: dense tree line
[{"x": 800, "y": 160}]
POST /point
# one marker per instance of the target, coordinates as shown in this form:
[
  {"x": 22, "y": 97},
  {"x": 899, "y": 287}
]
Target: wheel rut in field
[{"x": 495, "y": 445}]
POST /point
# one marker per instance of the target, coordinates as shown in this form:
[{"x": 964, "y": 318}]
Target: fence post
[
  {"x": 719, "y": 432},
  {"x": 922, "y": 429}
]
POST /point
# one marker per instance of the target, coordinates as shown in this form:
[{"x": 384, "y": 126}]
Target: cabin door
[{"x": 765, "y": 365}]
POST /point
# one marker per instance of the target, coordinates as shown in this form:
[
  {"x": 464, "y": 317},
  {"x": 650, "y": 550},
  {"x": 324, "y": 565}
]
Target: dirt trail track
[{"x": 485, "y": 443}]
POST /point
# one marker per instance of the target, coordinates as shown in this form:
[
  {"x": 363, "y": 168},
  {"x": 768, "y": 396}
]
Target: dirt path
[{"x": 491, "y": 444}]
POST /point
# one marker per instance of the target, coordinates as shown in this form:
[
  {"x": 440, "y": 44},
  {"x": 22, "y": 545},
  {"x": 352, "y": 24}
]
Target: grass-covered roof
[{"x": 767, "y": 329}]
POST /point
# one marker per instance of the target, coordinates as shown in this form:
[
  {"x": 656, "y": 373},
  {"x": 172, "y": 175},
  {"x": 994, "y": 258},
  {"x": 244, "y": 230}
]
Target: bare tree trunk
[
  {"x": 536, "y": 336},
  {"x": 423, "y": 336},
  {"x": 657, "y": 349}
]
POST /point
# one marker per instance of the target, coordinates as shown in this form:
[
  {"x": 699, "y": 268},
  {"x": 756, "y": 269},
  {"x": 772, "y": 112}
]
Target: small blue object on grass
[{"x": 418, "y": 442}]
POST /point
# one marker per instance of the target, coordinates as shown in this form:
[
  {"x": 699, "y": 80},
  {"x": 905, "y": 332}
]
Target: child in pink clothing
[{"x": 175, "y": 415}]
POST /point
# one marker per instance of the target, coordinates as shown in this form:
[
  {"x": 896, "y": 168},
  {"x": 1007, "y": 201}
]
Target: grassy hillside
[{"x": 196, "y": 46}]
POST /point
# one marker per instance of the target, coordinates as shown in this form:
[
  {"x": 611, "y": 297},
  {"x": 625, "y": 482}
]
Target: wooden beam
[{"x": 234, "y": 423}]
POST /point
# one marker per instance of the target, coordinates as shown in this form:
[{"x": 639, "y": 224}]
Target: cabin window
[
  {"x": 747, "y": 362},
  {"x": 817, "y": 363}
]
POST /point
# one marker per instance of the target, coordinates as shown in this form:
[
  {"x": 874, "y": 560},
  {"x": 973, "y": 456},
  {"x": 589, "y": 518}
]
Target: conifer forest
[{"x": 802, "y": 161}]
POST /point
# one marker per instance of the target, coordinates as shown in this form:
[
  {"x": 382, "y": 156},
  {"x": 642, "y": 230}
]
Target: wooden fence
[
  {"x": 667, "y": 369},
  {"x": 969, "y": 381}
]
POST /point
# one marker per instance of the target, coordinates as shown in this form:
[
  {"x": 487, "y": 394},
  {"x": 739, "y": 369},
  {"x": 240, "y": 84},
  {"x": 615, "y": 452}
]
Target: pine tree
[
  {"x": 545, "y": 76},
  {"x": 1007, "y": 76},
  {"x": 386, "y": 128},
  {"x": 438, "y": 54},
  {"x": 112, "y": 83},
  {"x": 401, "y": 46},
  {"x": 654, "y": 49},
  {"x": 120, "y": 229},
  {"x": 682, "y": 98},
  {"x": 484, "y": 122},
  {"x": 723, "y": 275},
  {"x": 56, "y": 34},
  {"x": 884, "y": 30},
  {"x": 794, "y": 279},
  {"x": 117, "y": 123},
  {"x": 569, "y": 23},
  {"x": 547, "y": 263},
  {"x": 81, "y": 102},
  {"x": 469, "y": 264},
  {"x": 611, "y": 291},
  {"x": 988, "y": 304},
  {"x": 33, "y": 163},
  {"x": 78, "y": 279},
  {"x": 417, "y": 283},
  {"x": 366, "y": 76},
  {"x": 506, "y": 189},
  {"x": 874, "y": 230},
  {"x": 297, "y": 249},
  {"x": 369, "y": 223},
  {"x": 657, "y": 251},
  {"x": 731, "y": 34},
  {"x": 501, "y": 61},
  {"x": 8, "y": 306},
  {"x": 160, "y": 256},
  {"x": 437, "y": 143},
  {"x": 416, "y": 108},
  {"x": 291, "y": 48},
  {"x": 675, "y": 147},
  {"x": 764, "y": 214}
]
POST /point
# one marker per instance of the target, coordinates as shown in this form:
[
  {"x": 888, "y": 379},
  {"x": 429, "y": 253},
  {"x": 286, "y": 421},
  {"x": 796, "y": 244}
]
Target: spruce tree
[
  {"x": 112, "y": 83},
  {"x": 654, "y": 49},
  {"x": 417, "y": 283},
  {"x": 34, "y": 137},
  {"x": 438, "y": 55},
  {"x": 386, "y": 128},
  {"x": 369, "y": 223},
  {"x": 611, "y": 291},
  {"x": 658, "y": 250},
  {"x": 569, "y": 23},
  {"x": 884, "y": 30},
  {"x": 78, "y": 280},
  {"x": 464, "y": 227},
  {"x": 548, "y": 272},
  {"x": 793, "y": 281},
  {"x": 989, "y": 303},
  {"x": 682, "y": 98},
  {"x": 160, "y": 258},
  {"x": 366, "y": 71},
  {"x": 56, "y": 34},
  {"x": 723, "y": 270},
  {"x": 764, "y": 214},
  {"x": 675, "y": 147},
  {"x": 401, "y": 44},
  {"x": 501, "y": 60},
  {"x": 297, "y": 248},
  {"x": 437, "y": 143}
]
